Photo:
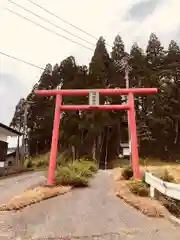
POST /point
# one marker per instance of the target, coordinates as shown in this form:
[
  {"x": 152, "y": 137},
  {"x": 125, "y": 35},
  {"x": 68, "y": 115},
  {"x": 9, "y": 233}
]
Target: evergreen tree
[
  {"x": 153, "y": 104},
  {"x": 154, "y": 51},
  {"x": 119, "y": 126},
  {"x": 137, "y": 63},
  {"x": 97, "y": 121},
  {"x": 171, "y": 85},
  {"x": 117, "y": 54},
  {"x": 41, "y": 112},
  {"x": 72, "y": 127},
  {"x": 138, "y": 80},
  {"x": 18, "y": 118},
  {"x": 118, "y": 50}
]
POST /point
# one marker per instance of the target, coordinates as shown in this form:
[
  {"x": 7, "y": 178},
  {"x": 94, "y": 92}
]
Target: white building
[{"x": 6, "y": 132}]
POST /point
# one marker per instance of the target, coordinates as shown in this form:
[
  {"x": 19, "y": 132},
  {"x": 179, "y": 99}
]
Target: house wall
[
  {"x": 3, "y": 150},
  {"x": 7, "y": 166},
  {"x": 3, "y": 137}
]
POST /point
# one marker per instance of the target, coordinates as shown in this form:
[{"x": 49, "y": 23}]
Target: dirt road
[
  {"x": 15, "y": 185},
  {"x": 91, "y": 213}
]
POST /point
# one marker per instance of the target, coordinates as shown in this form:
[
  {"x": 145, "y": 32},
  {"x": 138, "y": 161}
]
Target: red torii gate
[{"x": 94, "y": 106}]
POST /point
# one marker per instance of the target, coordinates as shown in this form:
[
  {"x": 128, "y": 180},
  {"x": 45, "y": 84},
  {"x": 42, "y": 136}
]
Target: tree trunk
[
  {"x": 94, "y": 149},
  {"x": 176, "y": 131},
  {"x": 73, "y": 149}
]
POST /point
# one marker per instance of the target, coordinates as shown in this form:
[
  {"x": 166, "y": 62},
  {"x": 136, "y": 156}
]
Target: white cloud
[
  {"x": 164, "y": 21},
  {"x": 107, "y": 18}
]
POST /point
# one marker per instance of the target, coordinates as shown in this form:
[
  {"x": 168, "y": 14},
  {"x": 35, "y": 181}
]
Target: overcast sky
[{"x": 134, "y": 20}]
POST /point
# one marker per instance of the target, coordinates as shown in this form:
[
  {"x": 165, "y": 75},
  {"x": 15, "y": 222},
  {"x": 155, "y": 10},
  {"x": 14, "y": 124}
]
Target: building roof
[{"x": 8, "y": 131}]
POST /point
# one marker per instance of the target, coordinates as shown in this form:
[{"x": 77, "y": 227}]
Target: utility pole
[
  {"x": 26, "y": 130},
  {"x": 123, "y": 64}
]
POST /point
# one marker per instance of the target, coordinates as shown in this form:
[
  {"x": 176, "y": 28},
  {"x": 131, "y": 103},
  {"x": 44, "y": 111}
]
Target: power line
[
  {"x": 20, "y": 60},
  {"x": 65, "y": 21},
  {"x": 53, "y": 24},
  {"x": 47, "y": 29}
]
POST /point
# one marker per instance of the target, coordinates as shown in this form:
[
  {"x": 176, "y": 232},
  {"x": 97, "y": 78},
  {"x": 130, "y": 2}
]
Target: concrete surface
[{"x": 90, "y": 213}]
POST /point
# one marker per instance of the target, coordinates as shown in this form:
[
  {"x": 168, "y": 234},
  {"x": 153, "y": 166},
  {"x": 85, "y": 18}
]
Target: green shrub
[
  {"x": 75, "y": 174},
  {"x": 90, "y": 164},
  {"x": 167, "y": 177},
  {"x": 63, "y": 158},
  {"x": 139, "y": 188},
  {"x": 28, "y": 163},
  {"x": 68, "y": 176},
  {"x": 80, "y": 181},
  {"x": 81, "y": 169},
  {"x": 127, "y": 173},
  {"x": 64, "y": 175},
  {"x": 41, "y": 161}
]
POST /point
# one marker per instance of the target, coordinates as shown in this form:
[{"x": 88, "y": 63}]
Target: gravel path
[
  {"x": 15, "y": 185},
  {"x": 90, "y": 213}
]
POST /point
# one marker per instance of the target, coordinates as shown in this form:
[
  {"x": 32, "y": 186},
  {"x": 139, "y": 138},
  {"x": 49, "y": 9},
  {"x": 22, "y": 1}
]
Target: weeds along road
[{"x": 90, "y": 213}]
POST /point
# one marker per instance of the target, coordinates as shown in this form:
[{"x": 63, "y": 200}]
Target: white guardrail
[{"x": 166, "y": 188}]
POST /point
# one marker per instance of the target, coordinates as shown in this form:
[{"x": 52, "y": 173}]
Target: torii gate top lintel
[{"x": 108, "y": 91}]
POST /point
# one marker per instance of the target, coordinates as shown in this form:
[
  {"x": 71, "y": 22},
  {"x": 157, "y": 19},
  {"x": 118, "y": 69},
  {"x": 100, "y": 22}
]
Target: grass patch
[
  {"x": 76, "y": 174},
  {"x": 166, "y": 176},
  {"x": 144, "y": 162},
  {"x": 41, "y": 162},
  {"x": 155, "y": 166},
  {"x": 38, "y": 162},
  {"x": 139, "y": 188},
  {"x": 136, "y": 193},
  {"x": 147, "y": 206},
  {"x": 33, "y": 196}
]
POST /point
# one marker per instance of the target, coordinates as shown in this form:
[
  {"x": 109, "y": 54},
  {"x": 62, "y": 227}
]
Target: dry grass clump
[
  {"x": 147, "y": 206},
  {"x": 32, "y": 196}
]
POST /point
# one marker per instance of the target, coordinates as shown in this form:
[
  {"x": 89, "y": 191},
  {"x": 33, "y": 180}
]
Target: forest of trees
[{"x": 99, "y": 133}]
